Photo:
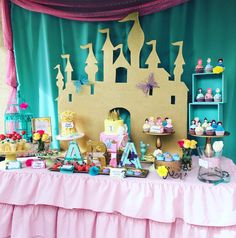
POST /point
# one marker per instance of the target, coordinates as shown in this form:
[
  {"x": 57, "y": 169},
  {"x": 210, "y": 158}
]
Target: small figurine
[
  {"x": 209, "y": 96},
  {"x": 159, "y": 125},
  {"x": 217, "y": 97},
  {"x": 200, "y": 97},
  {"x": 146, "y": 126},
  {"x": 219, "y": 68},
  {"x": 151, "y": 121},
  {"x": 192, "y": 127},
  {"x": 199, "y": 67},
  {"x": 210, "y": 130},
  {"x": 197, "y": 120},
  {"x": 199, "y": 130},
  {"x": 209, "y": 67},
  {"x": 164, "y": 123},
  {"x": 205, "y": 124},
  {"x": 213, "y": 124},
  {"x": 220, "y": 63},
  {"x": 220, "y": 131},
  {"x": 169, "y": 127}
]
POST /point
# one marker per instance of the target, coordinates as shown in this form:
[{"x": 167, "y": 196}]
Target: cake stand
[
  {"x": 208, "y": 147},
  {"x": 159, "y": 136},
  {"x": 10, "y": 156}
]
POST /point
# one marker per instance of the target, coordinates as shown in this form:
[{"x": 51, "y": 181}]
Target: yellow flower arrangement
[
  {"x": 41, "y": 138},
  {"x": 187, "y": 146}
]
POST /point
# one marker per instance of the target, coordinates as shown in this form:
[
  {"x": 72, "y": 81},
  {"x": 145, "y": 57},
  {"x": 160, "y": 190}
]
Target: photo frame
[{"x": 42, "y": 123}]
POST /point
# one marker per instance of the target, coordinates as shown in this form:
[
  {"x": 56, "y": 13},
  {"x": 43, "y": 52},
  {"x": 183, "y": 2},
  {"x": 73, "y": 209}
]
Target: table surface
[{"x": 151, "y": 198}]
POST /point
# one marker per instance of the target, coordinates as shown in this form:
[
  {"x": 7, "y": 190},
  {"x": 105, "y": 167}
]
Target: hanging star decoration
[
  {"x": 83, "y": 80},
  {"x": 148, "y": 86}
]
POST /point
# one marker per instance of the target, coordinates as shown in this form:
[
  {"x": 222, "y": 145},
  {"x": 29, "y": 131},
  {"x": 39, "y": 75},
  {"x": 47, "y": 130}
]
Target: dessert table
[{"x": 40, "y": 203}]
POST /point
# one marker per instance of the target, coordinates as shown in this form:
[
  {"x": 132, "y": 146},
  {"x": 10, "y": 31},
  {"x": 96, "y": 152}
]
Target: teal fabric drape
[{"x": 206, "y": 28}]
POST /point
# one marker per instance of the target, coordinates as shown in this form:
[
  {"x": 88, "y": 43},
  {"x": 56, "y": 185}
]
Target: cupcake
[
  {"x": 175, "y": 157},
  {"x": 205, "y": 124},
  {"x": 192, "y": 127},
  {"x": 209, "y": 67},
  {"x": 199, "y": 68},
  {"x": 168, "y": 157},
  {"x": 169, "y": 127},
  {"x": 209, "y": 96},
  {"x": 199, "y": 130},
  {"x": 214, "y": 124},
  {"x": 200, "y": 97},
  {"x": 146, "y": 126},
  {"x": 217, "y": 97},
  {"x": 160, "y": 157},
  {"x": 210, "y": 130},
  {"x": 220, "y": 131}
]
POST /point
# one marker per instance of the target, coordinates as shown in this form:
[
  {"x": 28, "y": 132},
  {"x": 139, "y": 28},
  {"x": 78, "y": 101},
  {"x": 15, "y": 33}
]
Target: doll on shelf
[
  {"x": 209, "y": 96},
  {"x": 220, "y": 67},
  {"x": 146, "y": 125},
  {"x": 199, "y": 68},
  {"x": 217, "y": 97},
  {"x": 200, "y": 97},
  {"x": 209, "y": 67},
  {"x": 220, "y": 131},
  {"x": 214, "y": 124},
  {"x": 192, "y": 127},
  {"x": 159, "y": 125},
  {"x": 205, "y": 124},
  {"x": 168, "y": 127}
]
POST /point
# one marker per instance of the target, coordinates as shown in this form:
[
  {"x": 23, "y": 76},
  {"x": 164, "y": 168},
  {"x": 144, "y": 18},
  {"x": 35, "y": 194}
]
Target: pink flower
[
  {"x": 23, "y": 105},
  {"x": 181, "y": 143},
  {"x": 41, "y": 132}
]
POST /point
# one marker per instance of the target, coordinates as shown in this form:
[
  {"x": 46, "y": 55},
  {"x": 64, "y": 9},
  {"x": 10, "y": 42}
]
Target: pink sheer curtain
[
  {"x": 8, "y": 44},
  {"x": 83, "y": 10}
]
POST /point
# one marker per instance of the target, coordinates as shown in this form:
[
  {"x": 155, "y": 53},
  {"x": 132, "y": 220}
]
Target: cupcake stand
[
  {"x": 9, "y": 157},
  {"x": 159, "y": 136},
  {"x": 208, "y": 145}
]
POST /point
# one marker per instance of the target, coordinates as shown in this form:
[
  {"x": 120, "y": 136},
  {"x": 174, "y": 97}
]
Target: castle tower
[
  {"x": 68, "y": 69},
  {"x": 121, "y": 60},
  {"x": 135, "y": 39},
  {"x": 107, "y": 56},
  {"x": 153, "y": 59},
  {"x": 91, "y": 67},
  {"x": 179, "y": 62},
  {"x": 59, "y": 79}
]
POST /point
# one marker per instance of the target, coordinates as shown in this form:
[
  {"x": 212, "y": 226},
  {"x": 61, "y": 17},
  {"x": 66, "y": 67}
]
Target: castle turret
[
  {"x": 153, "y": 59},
  {"x": 135, "y": 39},
  {"x": 179, "y": 62},
  {"x": 59, "y": 79}
]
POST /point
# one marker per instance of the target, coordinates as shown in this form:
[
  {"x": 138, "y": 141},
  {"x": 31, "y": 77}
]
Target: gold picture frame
[{"x": 42, "y": 123}]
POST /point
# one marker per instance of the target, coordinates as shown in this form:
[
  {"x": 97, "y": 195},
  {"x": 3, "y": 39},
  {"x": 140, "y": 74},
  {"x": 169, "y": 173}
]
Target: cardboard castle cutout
[{"x": 95, "y": 100}]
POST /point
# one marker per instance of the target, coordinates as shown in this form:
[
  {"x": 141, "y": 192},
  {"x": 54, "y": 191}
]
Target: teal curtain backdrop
[{"x": 206, "y": 27}]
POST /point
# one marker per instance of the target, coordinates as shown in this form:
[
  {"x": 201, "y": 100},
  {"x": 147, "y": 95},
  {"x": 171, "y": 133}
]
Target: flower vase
[
  {"x": 186, "y": 161},
  {"x": 41, "y": 145}
]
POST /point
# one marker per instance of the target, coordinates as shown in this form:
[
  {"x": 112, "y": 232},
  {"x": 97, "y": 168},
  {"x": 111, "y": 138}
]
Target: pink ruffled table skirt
[{"x": 40, "y": 203}]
